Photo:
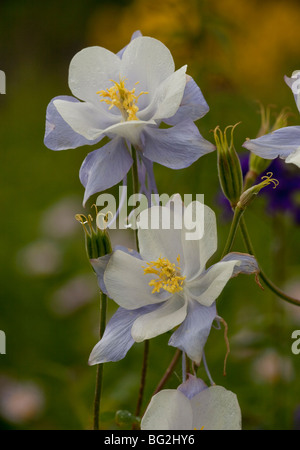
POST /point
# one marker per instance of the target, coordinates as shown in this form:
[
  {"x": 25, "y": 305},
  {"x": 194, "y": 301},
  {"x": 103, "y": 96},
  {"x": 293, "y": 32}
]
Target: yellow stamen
[
  {"x": 118, "y": 95},
  {"x": 169, "y": 277},
  {"x": 268, "y": 180}
]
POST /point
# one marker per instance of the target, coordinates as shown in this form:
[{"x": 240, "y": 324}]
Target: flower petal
[
  {"x": 59, "y": 135},
  {"x": 105, "y": 167},
  {"x": 177, "y": 147},
  {"x": 192, "y": 386},
  {"x": 216, "y": 408},
  {"x": 136, "y": 34},
  {"x": 84, "y": 118},
  {"x": 127, "y": 284},
  {"x": 193, "y": 105},
  {"x": 294, "y": 84},
  {"x": 167, "y": 97},
  {"x": 247, "y": 263},
  {"x": 92, "y": 70},
  {"x": 169, "y": 315},
  {"x": 130, "y": 130},
  {"x": 284, "y": 142},
  {"x": 192, "y": 334},
  {"x": 99, "y": 265},
  {"x": 149, "y": 62},
  {"x": 206, "y": 288},
  {"x": 158, "y": 235},
  {"x": 117, "y": 339},
  {"x": 168, "y": 410},
  {"x": 197, "y": 252}
]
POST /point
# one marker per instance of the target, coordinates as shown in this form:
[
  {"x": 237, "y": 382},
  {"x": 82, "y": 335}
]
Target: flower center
[
  {"x": 169, "y": 277},
  {"x": 118, "y": 95}
]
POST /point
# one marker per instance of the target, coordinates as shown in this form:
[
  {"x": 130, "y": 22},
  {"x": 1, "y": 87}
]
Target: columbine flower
[
  {"x": 126, "y": 96},
  {"x": 193, "y": 406},
  {"x": 166, "y": 285},
  {"x": 284, "y": 142}
]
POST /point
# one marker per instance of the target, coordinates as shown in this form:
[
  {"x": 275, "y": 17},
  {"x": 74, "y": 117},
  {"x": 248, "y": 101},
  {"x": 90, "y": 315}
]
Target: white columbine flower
[
  {"x": 126, "y": 96},
  {"x": 284, "y": 142},
  {"x": 167, "y": 285},
  {"x": 193, "y": 406}
]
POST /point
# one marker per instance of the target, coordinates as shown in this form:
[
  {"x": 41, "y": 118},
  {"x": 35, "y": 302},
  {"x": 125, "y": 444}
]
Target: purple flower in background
[
  {"x": 125, "y": 97},
  {"x": 282, "y": 200}
]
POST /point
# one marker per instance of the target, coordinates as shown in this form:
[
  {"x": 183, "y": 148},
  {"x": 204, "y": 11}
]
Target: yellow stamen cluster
[
  {"x": 118, "y": 95},
  {"x": 169, "y": 277}
]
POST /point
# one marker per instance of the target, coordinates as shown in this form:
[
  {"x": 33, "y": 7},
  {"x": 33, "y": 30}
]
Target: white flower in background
[
  {"x": 167, "y": 285},
  {"x": 193, "y": 406}
]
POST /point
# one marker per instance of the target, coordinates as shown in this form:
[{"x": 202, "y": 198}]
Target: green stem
[
  {"x": 262, "y": 275},
  {"x": 238, "y": 212},
  {"x": 99, "y": 375},
  {"x": 143, "y": 378}
]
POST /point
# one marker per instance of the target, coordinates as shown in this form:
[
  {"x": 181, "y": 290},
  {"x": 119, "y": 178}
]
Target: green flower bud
[
  {"x": 229, "y": 166},
  {"x": 258, "y": 165},
  {"x": 249, "y": 195},
  {"x": 97, "y": 241}
]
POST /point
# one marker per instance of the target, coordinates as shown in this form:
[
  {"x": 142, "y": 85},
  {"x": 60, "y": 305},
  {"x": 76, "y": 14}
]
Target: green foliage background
[{"x": 48, "y": 345}]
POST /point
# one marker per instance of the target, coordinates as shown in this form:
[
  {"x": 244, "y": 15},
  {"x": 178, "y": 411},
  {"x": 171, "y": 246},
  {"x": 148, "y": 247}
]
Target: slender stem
[
  {"x": 99, "y": 375},
  {"x": 143, "y": 378},
  {"x": 262, "y": 275},
  {"x": 238, "y": 212},
  {"x": 168, "y": 372}
]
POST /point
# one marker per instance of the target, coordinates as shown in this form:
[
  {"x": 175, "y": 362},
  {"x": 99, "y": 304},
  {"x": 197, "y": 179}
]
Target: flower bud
[
  {"x": 248, "y": 195},
  {"x": 229, "y": 167},
  {"x": 258, "y": 165},
  {"x": 97, "y": 241}
]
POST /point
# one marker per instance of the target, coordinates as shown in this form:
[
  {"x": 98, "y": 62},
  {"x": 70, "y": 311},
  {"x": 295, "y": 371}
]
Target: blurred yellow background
[{"x": 238, "y": 52}]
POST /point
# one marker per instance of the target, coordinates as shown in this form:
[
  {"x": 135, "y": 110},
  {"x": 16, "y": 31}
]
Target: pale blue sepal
[
  {"x": 192, "y": 334},
  {"x": 117, "y": 339}
]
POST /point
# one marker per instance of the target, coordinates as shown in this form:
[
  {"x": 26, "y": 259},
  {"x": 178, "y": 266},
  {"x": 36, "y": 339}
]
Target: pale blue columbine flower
[
  {"x": 126, "y": 96},
  {"x": 167, "y": 284},
  {"x": 284, "y": 142},
  {"x": 193, "y": 406}
]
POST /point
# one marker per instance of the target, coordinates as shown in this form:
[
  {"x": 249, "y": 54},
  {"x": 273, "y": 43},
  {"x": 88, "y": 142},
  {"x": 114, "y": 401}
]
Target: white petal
[
  {"x": 158, "y": 236},
  {"x": 92, "y": 70},
  {"x": 167, "y": 97},
  {"x": 129, "y": 130},
  {"x": 294, "y": 84},
  {"x": 84, "y": 118},
  {"x": 197, "y": 252},
  {"x": 163, "y": 319},
  {"x": 294, "y": 158},
  {"x": 208, "y": 286},
  {"x": 148, "y": 62},
  {"x": 168, "y": 410},
  {"x": 127, "y": 284},
  {"x": 216, "y": 408}
]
